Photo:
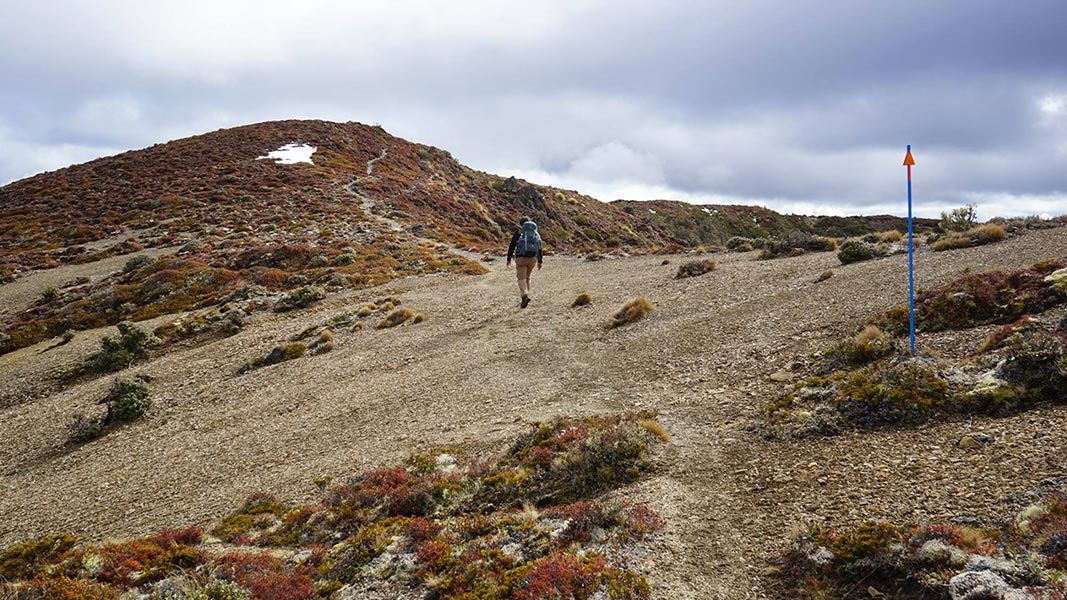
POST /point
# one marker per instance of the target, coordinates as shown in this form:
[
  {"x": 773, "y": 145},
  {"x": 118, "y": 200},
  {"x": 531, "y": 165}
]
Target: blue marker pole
[{"x": 908, "y": 162}]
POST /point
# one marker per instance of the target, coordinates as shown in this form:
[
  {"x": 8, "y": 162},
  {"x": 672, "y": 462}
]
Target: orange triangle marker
[{"x": 908, "y": 159}]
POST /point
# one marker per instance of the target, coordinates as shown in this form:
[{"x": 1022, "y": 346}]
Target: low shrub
[
  {"x": 795, "y": 244},
  {"x": 632, "y": 311},
  {"x": 977, "y": 236},
  {"x": 868, "y": 345},
  {"x": 48, "y": 295},
  {"x": 520, "y": 523},
  {"x": 300, "y": 298},
  {"x": 1023, "y": 556},
  {"x": 744, "y": 244},
  {"x": 126, "y": 400},
  {"x": 583, "y": 299},
  {"x": 212, "y": 323},
  {"x": 118, "y": 352},
  {"x": 136, "y": 263},
  {"x": 25, "y": 560},
  {"x": 695, "y": 268},
  {"x": 853, "y": 251},
  {"x": 993, "y": 297}
]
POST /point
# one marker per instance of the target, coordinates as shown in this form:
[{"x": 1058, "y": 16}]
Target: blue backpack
[{"x": 529, "y": 243}]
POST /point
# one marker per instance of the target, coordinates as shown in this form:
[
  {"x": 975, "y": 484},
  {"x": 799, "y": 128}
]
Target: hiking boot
[{"x": 525, "y": 302}]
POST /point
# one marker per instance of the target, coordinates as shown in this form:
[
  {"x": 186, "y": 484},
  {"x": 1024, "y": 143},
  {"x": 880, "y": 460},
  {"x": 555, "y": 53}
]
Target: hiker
[{"x": 525, "y": 248}]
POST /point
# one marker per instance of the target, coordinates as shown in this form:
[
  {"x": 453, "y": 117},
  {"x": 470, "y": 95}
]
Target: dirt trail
[
  {"x": 370, "y": 207},
  {"x": 479, "y": 367}
]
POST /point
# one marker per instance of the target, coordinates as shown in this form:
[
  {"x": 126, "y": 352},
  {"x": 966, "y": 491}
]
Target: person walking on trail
[{"x": 525, "y": 248}]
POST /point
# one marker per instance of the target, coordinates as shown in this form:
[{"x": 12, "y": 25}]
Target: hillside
[
  {"x": 370, "y": 208},
  {"x": 477, "y": 370},
  {"x": 242, "y": 379}
]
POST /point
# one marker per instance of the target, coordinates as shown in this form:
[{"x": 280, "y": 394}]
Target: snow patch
[
  {"x": 651, "y": 211},
  {"x": 291, "y": 154}
]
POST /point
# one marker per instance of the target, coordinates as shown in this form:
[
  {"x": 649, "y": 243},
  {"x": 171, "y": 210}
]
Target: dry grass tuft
[
  {"x": 825, "y": 275},
  {"x": 869, "y": 334},
  {"x": 418, "y": 318},
  {"x": 632, "y": 311},
  {"x": 583, "y": 299},
  {"x": 396, "y": 317},
  {"x": 652, "y": 426},
  {"x": 977, "y": 236}
]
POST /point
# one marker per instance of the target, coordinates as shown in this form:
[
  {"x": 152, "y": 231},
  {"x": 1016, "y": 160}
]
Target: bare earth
[{"x": 480, "y": 367}]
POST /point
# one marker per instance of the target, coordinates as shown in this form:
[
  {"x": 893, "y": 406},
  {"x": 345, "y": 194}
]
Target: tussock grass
[
  {"x": 632, "y": 311},
  {"x": 583, "y": 299},
  {"x": 397, "y": 317},
  {"x": 977, "y": 236}
]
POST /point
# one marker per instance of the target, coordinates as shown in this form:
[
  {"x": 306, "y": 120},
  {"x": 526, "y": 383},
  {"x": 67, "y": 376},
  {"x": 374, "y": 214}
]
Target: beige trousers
[{"x": 524, "y": 265}]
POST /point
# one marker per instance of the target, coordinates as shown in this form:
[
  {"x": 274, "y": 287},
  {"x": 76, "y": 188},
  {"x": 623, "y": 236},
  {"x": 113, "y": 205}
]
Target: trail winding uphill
[{"x": 479, "y": 367}]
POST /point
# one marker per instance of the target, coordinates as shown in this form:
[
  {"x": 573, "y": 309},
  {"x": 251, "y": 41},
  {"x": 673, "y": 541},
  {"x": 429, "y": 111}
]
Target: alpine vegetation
[
  {"x": 527, "y": 522},
  {"x": 695, "y": 268},
  {"x": 127, "y": 400},
  {"x": 632, "y": 311}
]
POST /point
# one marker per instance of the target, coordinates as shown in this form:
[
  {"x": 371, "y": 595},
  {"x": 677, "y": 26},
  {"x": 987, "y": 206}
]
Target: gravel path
[{"x": 480, "y": 367}]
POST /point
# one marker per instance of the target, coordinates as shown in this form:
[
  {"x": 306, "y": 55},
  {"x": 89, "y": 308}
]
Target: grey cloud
[{"x": 793, "y": 105}]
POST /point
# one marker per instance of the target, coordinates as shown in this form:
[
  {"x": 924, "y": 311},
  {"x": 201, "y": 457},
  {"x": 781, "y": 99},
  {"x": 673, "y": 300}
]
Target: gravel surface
[{"x": 479, "y": 367}]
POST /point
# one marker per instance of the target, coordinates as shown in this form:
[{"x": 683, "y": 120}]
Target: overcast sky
[{"x": 799, "y": 106}]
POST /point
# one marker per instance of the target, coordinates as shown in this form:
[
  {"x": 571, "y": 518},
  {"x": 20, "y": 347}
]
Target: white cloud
[{"x": 1053, "y": 104}]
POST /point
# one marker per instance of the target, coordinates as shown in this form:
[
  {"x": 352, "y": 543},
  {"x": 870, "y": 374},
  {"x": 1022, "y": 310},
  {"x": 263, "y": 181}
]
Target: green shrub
[
  {"x": 740, "y": 244},
  {"x": 126, "y": 400},
  {"x": 853, "y": 251},
  {"x": 136, "y": 263},
  {"x": 795, "y": 244},
  {"x": 300, "y": 298},
  {"x": 24, "y": 560},
  {"x": 959, "y": 219},
  {"x": 119, "y": 351},
  {"x": 217, "y": 590}
]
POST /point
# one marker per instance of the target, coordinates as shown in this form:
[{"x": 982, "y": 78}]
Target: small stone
[
  {"x": 974, "y": 441},
  {"x": 982, "y": 585}
]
